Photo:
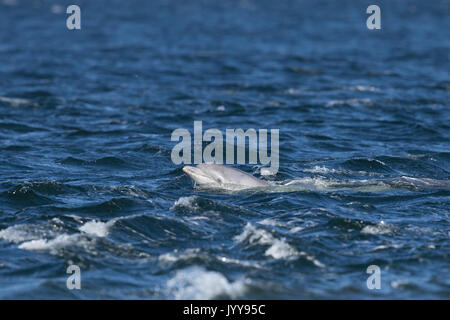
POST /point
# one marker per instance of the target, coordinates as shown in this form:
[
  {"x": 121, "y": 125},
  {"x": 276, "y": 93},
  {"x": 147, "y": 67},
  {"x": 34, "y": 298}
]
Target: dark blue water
[{"x": 86, "y": 176}]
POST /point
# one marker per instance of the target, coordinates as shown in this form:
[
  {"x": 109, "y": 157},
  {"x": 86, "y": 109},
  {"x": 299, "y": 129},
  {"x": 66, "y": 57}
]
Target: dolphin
[{"x": 217, "y": 176}]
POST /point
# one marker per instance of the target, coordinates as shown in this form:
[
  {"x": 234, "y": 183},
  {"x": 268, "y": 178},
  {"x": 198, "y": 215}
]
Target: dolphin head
[
  {"x": 218, "y": 176},
  {"x": 203, "y": 176}
]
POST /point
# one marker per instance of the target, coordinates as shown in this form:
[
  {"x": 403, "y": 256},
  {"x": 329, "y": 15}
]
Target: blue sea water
[{"x": 86, "y": 176}]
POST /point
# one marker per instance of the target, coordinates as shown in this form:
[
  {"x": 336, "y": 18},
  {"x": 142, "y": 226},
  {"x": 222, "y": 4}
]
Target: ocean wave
[
  {"x": 97, "y": 228},
  {"x": 25, "y": 232},
  {"x": 380, "y": 228},
  {"x": 277, "y": 248},
  {"x": 25, "y": 196},
  {"x": 331, "y": 184},
  {"x": 51, "y": 237},
  {"x": 326, "y": 170},
  {"x": 354, "y": 102},
  {"x": 17, "y": 102},
  {"x": 111, "y": 161},
  {"x": 198, "y": 283},
  {"x": 53, "y": 245},
  {"x": 424, "y": 183},
  {"x": 363, "y": 88},
  {"x": 186, "y": 202}
]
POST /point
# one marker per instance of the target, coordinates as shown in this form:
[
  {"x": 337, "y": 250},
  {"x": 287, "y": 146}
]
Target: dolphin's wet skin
[{"x": 86, "y": 170}]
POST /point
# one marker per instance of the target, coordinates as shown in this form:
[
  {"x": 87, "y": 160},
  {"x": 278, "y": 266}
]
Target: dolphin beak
[
  {"x": 188, "y": 170},
  {"x": 192, "y": 172},
  {"x": 197, "y": 175}
]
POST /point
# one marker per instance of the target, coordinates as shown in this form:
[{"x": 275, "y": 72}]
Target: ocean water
[{"x": 86, "y": 176}]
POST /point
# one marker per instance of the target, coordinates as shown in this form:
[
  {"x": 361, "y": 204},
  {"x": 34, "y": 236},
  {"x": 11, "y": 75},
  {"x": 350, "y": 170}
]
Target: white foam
[
  {"x": 351, "y": 102},
  {"x": 384, "y": 247},
  {"x": 267, "y": 172},
  {"x": 308, "y": 183},
  {"x": 176, "y": 256},
  {"x": 321, "y": 184},
  {"x": 17, "y": 102},
  {"x": 363, "y": 88},
  {"x": 325, "y": 170},
  {"x": 319, "y": 169},
  {"x": 172, "y": 257},
  {"x": 57, "y": 243},
  {"x": 254, "y": 235},
  {"x": 42, "y": 237},
  {"x": 296, "y": 229},
  {"x": 399, "y": 284},
  {"x": 24, "y": 232},
  {"x": 15, "y": 234},
  {"x": 186, "y": 202},
  {"x": 278, "y": 248},
  {"x": 97, "y": 228},
  {"x": 381, "y": 228},
  {"x": 199, "y": 284},
  {"x": 270, "y": 222}
]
